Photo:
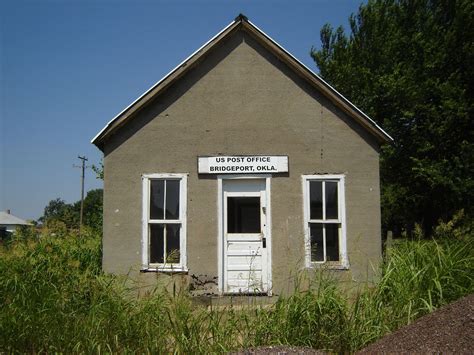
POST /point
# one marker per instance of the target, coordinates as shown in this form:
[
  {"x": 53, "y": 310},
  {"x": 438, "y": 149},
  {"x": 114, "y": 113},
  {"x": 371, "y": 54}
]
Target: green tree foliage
[
  {"x": 92, "y": 209},
  {"x": 409, "y": 65},
  {"x": 99, "y": 170},
  {"x": 58, "y": 211}
]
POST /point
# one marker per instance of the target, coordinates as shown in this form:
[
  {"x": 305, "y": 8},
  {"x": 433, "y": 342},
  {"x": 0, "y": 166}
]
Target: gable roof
[
  {"x": 7, "y": 218},
  {"x": 241, "y": 22}
]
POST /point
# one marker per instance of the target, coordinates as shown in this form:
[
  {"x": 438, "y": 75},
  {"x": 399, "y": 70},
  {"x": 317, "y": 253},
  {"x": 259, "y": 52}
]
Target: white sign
[{"x": 243, "y": 164}]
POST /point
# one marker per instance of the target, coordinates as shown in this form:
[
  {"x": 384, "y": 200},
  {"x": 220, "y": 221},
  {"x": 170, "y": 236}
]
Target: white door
[{"x": 245, "y": 236}]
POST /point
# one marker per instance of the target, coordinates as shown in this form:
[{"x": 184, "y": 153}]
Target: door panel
[
  {"x": 241, "y": 262},
  {"x": 244, "y": 222}
]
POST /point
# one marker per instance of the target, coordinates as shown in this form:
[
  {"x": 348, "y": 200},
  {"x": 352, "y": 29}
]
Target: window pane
[
  {"x": 172, "y": 199},
  {"x": 243, "y": 215},
  {"x": 331, "y": 200},
  {"x": 172, "y": 243},
  {"x": 316, "y": 199},
  {"x": 157, "y": 195},
  {"x": 332, "y": 241},
  {"x": 156, "y": 244},
  {"x": 317, "y": 248}
]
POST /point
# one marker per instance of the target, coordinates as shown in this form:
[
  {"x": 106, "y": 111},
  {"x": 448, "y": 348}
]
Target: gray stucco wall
[{"x": 241, "y": 100}]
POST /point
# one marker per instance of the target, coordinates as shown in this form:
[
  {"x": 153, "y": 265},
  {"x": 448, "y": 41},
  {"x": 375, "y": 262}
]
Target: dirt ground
[{"x": 447, "y": 330}]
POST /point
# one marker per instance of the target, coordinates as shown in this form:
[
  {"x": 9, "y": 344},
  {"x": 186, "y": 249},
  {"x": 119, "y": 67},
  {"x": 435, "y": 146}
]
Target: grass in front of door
[{"x": 54, "y": 297}]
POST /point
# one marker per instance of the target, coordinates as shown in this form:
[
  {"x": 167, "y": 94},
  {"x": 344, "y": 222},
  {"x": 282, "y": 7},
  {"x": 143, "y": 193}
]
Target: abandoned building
[{"x": 241, "y": 168}]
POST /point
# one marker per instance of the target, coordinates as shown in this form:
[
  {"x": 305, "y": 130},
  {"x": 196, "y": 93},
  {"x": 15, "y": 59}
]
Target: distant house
[
  {"x": 9, "y": 223},
  {"x": 239, "y": 168}
]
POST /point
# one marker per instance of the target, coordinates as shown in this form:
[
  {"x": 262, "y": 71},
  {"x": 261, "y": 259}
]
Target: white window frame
[
  {"x": 174, "y": 267},
  {"x": 343, "y": 262}
]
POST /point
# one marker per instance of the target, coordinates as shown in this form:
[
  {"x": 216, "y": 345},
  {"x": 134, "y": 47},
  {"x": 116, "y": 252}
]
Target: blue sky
[{"x": 67, "y": 67}]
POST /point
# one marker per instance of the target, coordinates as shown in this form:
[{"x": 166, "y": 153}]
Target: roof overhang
[{"x": 241, "y": 22}]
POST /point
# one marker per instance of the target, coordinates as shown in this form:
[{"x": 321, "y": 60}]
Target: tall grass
[
  {"x": 54, "y": 297},
  {"x": 315, "y": 318},
  {"x": 416, "y": 278}
]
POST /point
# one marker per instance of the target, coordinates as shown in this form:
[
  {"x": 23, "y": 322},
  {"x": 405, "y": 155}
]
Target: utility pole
[{"x": 83, "y": 167}]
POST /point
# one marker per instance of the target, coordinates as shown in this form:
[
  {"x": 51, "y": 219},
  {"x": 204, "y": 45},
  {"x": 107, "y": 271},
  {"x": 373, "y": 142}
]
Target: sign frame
[{"x": 243, "y": 164}]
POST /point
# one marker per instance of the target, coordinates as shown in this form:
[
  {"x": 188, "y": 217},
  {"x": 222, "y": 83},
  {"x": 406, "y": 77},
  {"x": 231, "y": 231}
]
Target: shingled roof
[{"x": 241, "y": 22}]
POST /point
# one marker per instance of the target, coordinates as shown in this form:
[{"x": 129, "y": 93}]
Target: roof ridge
[{"x": 241, "y": 17}]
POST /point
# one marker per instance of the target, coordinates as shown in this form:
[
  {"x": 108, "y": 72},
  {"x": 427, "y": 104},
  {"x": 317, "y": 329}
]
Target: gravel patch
[
  {"x": 447, "y": 330},
  {"x": 279, "y": 350}
]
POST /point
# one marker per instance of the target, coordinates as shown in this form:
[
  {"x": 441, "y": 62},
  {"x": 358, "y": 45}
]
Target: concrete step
[{"x": 235, "y": 301}]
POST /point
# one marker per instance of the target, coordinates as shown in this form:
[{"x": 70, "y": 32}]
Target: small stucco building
[
  {"x": 9, "y": 223},
  {"x": 239, "y": 170}
]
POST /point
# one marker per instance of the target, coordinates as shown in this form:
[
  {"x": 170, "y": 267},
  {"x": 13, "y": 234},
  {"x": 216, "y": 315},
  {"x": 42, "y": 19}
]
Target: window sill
[
  {"x": 165, "y": 270},
  {"x": 328, "y": 266}
]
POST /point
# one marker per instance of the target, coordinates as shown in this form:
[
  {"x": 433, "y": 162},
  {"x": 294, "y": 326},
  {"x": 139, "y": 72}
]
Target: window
[
  {"x": 164, "y": 222},
  {"x": 243, "y": 215},
  {"x": 324, "y": 220}
]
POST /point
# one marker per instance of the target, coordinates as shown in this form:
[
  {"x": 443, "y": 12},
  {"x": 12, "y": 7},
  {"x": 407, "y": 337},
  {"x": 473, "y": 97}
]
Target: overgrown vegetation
[{"x": 54, "y": 297}]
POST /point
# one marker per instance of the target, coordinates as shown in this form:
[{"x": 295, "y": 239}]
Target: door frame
[{"x": 220, "y": 225}]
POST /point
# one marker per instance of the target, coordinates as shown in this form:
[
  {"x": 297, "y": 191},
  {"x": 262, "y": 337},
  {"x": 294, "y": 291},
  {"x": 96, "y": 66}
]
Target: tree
[
  {"x": 93, "y": 214},
  {"x": 59, "y": 211},
  {"x": 409, "y": 65},
  {"x": 54, "y": 209}
]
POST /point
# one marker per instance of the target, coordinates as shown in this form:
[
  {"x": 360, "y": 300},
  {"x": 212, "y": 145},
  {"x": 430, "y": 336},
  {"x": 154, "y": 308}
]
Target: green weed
[{"x": 55, "y": 298}]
